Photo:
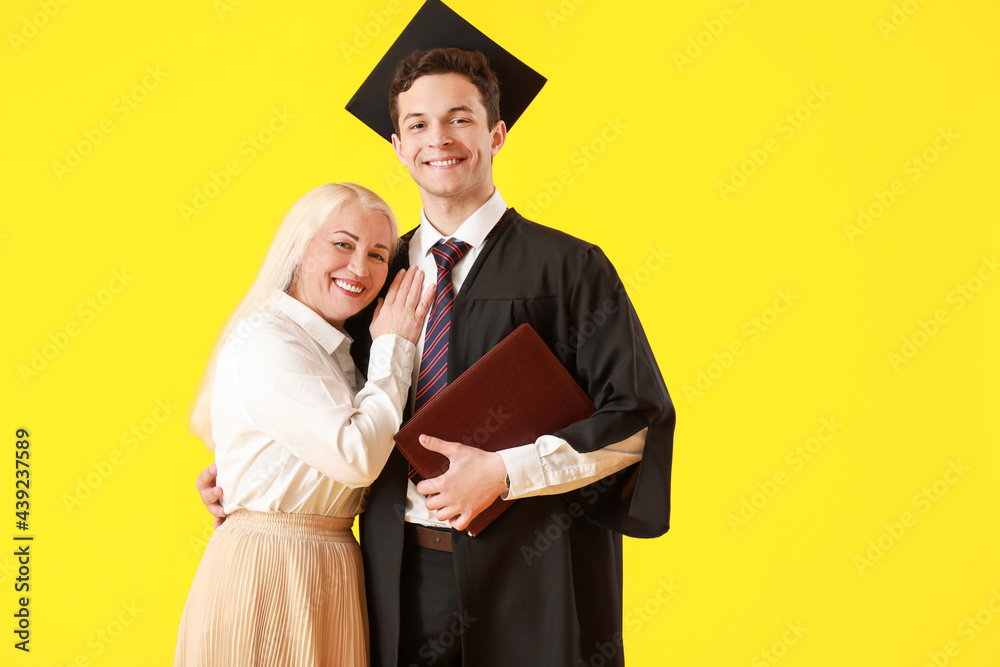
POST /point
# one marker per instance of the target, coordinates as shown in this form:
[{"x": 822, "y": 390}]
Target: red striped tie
[{"x": 433, "y": 375}]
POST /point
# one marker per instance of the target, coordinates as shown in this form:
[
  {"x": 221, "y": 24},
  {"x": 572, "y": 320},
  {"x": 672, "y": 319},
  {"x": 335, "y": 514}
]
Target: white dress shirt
[
  {"x": 294, "y": 428},
  {"x": 549, "y": 465}
]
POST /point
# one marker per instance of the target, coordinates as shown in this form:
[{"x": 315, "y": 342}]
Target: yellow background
[{"x": 626, "y": 146}]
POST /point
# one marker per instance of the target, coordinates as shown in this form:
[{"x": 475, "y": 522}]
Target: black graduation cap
[{"x": 436, "y": 26}]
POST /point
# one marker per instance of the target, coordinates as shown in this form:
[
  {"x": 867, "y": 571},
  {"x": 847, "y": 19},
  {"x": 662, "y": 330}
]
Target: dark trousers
[{"x": 430, "y": 622}]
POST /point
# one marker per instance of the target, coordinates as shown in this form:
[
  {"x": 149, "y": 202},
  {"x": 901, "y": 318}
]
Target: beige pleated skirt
[{"x": 276, "y": 589}]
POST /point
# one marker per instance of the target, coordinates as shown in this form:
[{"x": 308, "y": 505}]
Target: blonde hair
[{"x": 279, "y": 270}]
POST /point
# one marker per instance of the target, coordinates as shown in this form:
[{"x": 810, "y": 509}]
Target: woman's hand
[
  {"x": 403, "y": 310},
  {"x": 211, "y": 494}
]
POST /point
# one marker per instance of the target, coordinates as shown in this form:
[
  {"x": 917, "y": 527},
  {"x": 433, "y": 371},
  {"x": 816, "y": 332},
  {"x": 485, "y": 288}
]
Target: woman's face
[{"x": 345, "y": 265}]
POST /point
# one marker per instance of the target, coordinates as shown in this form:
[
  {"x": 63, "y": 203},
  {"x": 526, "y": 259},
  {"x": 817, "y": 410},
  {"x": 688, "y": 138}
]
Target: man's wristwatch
[{"x": 506, "y": 481}]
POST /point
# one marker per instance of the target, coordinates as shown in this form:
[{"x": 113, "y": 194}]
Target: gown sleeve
[{"x": 603, "y": 345}]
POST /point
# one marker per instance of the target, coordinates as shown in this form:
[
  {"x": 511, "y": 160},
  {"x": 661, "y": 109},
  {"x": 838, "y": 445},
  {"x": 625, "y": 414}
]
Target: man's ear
[
  {"x": 499, "y": 137},
  {"x": 397, "y": 146}
]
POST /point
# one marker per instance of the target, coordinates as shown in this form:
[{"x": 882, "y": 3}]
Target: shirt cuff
[
  {"x": 391, "y": 355},
  {"x": 524, "y": 467}
]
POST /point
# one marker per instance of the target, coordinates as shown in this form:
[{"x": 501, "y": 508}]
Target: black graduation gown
[{"x": 542, "y": 585}]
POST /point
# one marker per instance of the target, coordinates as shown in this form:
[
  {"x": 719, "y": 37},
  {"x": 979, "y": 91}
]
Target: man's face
[{"x": 444, "y": 137}]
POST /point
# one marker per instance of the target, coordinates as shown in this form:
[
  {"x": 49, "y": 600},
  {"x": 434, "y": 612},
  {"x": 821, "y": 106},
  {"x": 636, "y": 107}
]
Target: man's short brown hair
[{"x": 470, "y": 64}]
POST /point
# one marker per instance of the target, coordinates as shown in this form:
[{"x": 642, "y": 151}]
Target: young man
[{"x": 542, "y": 585}]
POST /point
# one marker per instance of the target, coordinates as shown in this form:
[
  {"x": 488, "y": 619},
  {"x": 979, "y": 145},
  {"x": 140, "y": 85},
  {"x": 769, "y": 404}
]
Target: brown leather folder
[{"x": 515, "y": 393}]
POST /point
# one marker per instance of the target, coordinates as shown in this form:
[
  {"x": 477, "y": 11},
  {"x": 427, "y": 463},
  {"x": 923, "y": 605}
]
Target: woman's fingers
[
  {"x": 390, "y": 296},
  {"x": 405, "y": 306},
  {"x": 413, "y": 295},
  {"x": 404, "y": 286},
  {"x": 425, "y": 303}
]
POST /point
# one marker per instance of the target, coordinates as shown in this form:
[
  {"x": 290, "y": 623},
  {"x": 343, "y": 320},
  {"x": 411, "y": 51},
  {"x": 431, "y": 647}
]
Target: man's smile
[{"x": 448, "y": 162}]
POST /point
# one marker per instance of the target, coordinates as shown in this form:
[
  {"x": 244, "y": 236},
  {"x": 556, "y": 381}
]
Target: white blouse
[{"x": 296, "y": 428}]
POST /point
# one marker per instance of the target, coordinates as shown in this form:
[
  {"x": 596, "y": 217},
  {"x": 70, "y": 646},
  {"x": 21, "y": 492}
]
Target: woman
[{"x": 298, "y": 436}]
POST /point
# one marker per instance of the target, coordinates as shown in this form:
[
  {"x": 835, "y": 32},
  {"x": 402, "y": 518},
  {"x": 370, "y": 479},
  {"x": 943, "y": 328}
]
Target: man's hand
[
  {"x": 211, "y": 494},
  {"x": 473, "y": 481}
]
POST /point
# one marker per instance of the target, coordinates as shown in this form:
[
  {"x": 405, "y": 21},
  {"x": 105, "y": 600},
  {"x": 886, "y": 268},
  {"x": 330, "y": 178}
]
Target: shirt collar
[
  {"x": 322, "y": 331},
  {"x": 473, "y": 231}
]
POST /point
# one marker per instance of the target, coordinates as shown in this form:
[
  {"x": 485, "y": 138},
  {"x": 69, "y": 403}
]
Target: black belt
[{"x": 438, "y": 539}]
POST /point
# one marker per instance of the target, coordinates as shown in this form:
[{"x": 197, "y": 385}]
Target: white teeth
[
  {"x": 353, "y": 289},
  {"x": 443, "y": 163}
]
